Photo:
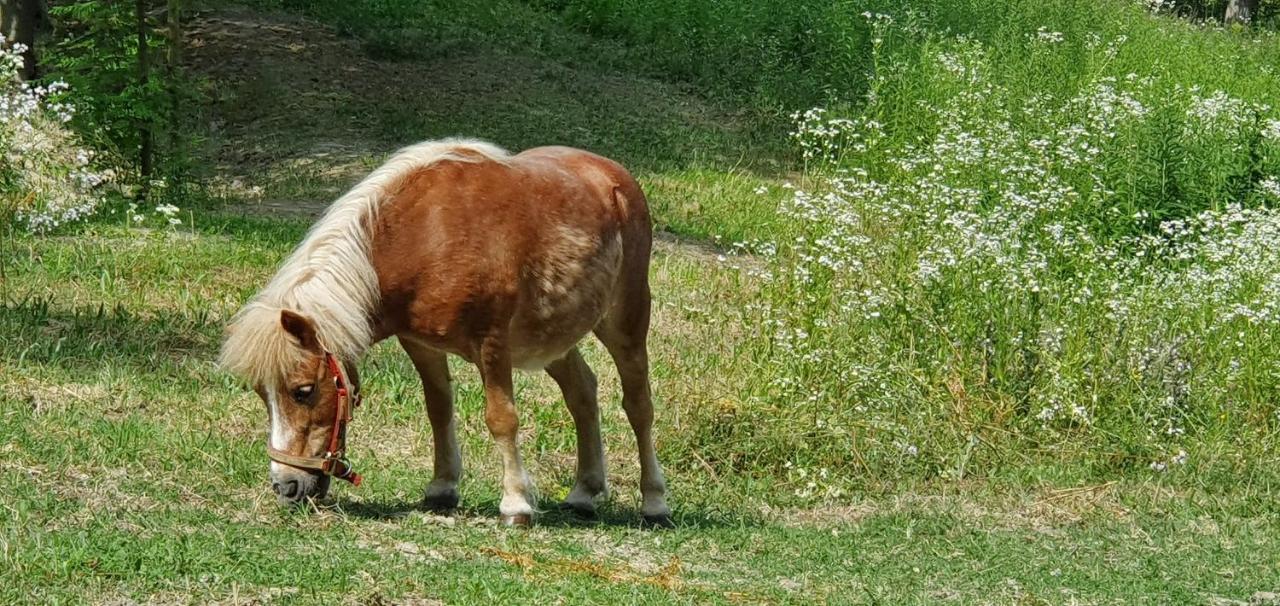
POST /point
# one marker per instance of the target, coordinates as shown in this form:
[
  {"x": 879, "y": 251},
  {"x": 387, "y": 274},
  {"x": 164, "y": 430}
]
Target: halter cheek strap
[{"x": 334, "y": 462}]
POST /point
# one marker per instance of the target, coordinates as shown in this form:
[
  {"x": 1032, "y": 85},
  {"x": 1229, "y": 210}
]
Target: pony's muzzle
[{"x": 294, "y": 486}]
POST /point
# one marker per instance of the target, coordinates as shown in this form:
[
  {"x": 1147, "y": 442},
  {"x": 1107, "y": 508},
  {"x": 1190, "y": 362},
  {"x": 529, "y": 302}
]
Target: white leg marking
[{"x": 517, "y": 487}]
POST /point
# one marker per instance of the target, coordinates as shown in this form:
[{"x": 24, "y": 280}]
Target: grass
[
  {"x": 914, "y": 469},
  {"x": 144, "y": 480}
]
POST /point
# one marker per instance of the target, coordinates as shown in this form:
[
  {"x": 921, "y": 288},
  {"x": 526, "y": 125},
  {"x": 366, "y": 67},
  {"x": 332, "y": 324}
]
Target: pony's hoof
[
  {"x": 441, "y": 503},
  {"x": 662, "y": 520},
  {"x": 520, "y": 520},
  {"x": 586, "y": 513}
]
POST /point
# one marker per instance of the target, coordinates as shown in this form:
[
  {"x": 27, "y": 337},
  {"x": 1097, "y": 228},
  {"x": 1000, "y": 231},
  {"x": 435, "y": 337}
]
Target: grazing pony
[{"x": 458, "y": 247}]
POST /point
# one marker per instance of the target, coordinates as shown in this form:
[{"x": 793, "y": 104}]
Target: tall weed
[{"x": 1085, "y": 282}]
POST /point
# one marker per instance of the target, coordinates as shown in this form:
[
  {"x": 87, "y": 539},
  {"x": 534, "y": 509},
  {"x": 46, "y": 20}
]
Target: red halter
[{"x": 334, "y": 462}]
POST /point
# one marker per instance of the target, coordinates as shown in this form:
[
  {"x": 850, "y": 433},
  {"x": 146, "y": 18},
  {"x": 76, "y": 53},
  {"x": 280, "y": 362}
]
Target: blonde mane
[{"x": 329, "y": 277}]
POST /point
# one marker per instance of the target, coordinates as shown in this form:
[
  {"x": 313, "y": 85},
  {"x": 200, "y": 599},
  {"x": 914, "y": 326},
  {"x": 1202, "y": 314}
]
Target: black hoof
[
  {"x": 522, "y": 520},
  {"x": 585, "y": 513},
  {"x": 658, "y": 521},
  {"x": 441, "y": 503}
]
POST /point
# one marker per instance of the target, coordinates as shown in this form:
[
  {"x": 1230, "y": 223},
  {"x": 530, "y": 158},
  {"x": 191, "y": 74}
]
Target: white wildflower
[
  {"x": 1271, "y": 187},
  {"x": 1048, "y": 37},
  {"x": 42, "y": 155},
  {"x": 1271, "y": 130}
]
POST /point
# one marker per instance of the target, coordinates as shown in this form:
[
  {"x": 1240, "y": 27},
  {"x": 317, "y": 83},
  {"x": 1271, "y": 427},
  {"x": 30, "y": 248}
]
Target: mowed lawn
[{"x": 133, "y": 471}]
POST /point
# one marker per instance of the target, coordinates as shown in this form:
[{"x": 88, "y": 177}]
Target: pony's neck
[
  {"x": 330, "y": 279},
  {"x": 343, "y": 317},
  {"x": 330, "y": 276}
]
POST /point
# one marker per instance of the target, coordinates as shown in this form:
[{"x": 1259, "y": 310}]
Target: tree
[
  {"x": 19, "y": 20},
  {"x": 1240, "y": 11},
  {"x": 146, "y": 151},
  {"x": 114, "y": 54}
]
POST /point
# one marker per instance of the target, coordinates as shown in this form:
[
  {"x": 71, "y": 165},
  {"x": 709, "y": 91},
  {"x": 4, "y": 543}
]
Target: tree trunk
[
  {"x": 1240, "y": 11},
  {"x": 145, "y": 148},
  {"x": 171, "y": 66},
  {"x": 18, "y": 19}
]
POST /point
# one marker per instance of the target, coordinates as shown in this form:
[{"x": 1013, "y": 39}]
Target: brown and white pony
[{"x": 458, "y": 247}]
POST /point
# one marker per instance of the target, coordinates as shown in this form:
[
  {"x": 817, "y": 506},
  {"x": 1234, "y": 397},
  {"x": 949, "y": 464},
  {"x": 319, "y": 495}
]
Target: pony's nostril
[
  {"x": 290, "y": 489},
  {"x": 275, "y": 487}
]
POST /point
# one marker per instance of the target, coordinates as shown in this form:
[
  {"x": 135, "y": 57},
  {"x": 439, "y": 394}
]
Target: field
[{"x": 998, "y": 323}]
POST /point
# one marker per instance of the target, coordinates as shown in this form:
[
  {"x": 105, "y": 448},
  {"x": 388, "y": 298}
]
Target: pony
[{"x": 458, "y": 247}]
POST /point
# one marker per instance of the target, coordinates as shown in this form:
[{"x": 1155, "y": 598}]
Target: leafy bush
[{"x": 97, "y": 53}]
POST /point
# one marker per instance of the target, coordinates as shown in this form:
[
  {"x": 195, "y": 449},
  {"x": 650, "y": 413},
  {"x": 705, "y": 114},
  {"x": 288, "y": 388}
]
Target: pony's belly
[
  {"x": 538, "y": 358},
  {"x": 542, "y": 330},
  {"x": 566, "y": 293},
  {"x": 562, "y": 295},
  {"x": 540, "y": 338}
]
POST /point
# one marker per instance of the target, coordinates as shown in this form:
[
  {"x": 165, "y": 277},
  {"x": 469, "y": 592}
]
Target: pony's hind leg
[
  {"x": 504, "y": 424},
  {"x": 578, "y": 384},
  {"x": 433, "y": 368},
  {"x": 624, "y": 332}
]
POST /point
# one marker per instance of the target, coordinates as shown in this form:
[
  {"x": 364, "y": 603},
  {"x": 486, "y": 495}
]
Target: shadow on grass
[
  {"x": 39, "y": 331},
  {"x": 608, "y": 515}
]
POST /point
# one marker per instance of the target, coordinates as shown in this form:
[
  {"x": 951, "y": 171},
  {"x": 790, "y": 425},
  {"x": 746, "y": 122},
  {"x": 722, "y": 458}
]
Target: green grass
[
  {"x": 890, "y": 459},
  {"x": 144, "y": 478}
]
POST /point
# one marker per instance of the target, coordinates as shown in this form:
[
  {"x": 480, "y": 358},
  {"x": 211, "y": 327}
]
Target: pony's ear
[{"x": 301, "y": 328}]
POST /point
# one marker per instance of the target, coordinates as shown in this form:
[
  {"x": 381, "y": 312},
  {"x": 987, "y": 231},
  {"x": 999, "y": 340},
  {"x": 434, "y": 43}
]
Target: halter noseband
[{"x": 334, "y": 462}]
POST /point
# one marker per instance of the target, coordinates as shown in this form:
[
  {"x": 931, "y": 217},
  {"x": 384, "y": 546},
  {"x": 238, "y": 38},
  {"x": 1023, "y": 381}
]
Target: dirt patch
[
  {"x": 300, "y": 113},
  {"x": 273, "y": 78},
  {"x": 694, "y": 249}
]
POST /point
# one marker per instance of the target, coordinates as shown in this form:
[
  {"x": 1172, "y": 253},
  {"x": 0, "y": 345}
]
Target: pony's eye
[{"x": 303, "y": 393}]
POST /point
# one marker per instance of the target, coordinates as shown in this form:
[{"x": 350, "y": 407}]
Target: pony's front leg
[
  {"x": 504, "y": 424},
  {"x": 433, "y": 368}
]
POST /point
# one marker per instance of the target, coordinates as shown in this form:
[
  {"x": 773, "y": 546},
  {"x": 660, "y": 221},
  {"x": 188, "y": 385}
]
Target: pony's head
[{"x": 308, "y": 392}]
